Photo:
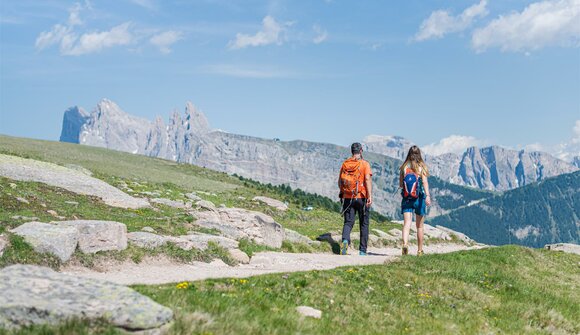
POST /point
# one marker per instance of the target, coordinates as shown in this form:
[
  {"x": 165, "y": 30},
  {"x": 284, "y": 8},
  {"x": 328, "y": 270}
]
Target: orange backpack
[{"x": 350, "y": 177}]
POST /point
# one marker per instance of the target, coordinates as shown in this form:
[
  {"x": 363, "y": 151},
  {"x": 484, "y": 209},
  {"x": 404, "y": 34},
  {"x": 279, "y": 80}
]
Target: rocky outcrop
[
  {"x": 73, "y": 120},
  {"x": 237, "y": 223},
  {"x": 279, "y": 205},
  {"x": 58, "y": 240},
  {"x": 72, "y": 180},
  {"x": 32, "y": 295},
  {"x": 95, "y": 235},
  {"x": 564, "y": 247}
]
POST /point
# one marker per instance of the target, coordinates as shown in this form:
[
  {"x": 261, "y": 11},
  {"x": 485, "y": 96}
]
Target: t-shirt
[{"x": 365, "y": 168}]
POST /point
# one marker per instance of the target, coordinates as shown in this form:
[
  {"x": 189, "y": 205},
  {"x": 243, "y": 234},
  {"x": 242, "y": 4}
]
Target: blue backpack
[{"x": 411, "y": 184}]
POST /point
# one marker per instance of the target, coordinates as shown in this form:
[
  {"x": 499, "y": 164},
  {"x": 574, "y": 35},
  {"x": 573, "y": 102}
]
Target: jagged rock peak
[
  {"x": 109, "y": 108},
  {"x": 72, "y": 121},
  {"x": 195, "y": 119}
]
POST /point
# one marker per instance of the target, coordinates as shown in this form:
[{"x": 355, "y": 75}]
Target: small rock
[
  {"x": 43, "y": 205},
  {"x": 192, "y": 196},
  {"x": 171, "y": 203},
  {"x": 60, "y": 241},
  {"x": 148, "y": 229},
  {"x": 24, "y": 218},
  {"x": 279, "y": 205},
  {"x": 295, "y": 237},
  {"x": 309, "y": 312},
  {"x": 52, "y": 212},
  {"x": 204, "y": 204},
  {"x": 239, "y": 256},
  {"x": 241, "y": 198},
  {"x": 4, "y": 242},
  {"x": 22, "y": 200},
  {"x": 74, "y": 203},
  {"x": 146, "y": 240}
]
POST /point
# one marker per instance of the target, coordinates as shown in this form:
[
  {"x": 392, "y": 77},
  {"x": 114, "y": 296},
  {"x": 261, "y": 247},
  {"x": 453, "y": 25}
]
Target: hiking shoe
[
  {"x": 405, "y": 250},
  {"x": 420, "y": 253},
  {"x": 344, "y": 247},
  {"x": 362, "y": 253}
]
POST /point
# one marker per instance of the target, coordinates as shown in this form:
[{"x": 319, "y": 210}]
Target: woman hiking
[{"x": 415, "y": 193}]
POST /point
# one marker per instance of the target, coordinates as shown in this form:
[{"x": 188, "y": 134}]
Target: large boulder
[
  {"x": 31, "y": 295},
  {"x": 98, "y": 235},
  {"x": 60, "y": 241},
  {"x": 239, "y": 223},
  {"x": 279, "y": 205}
]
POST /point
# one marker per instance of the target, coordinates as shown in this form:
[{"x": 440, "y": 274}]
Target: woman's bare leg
[
  {"x": 407, "y": 220},
  {"x": 419, "y": 219}
]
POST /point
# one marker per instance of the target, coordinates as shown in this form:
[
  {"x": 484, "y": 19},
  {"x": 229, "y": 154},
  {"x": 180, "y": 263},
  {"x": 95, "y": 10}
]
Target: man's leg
[
  {"x": 349, "y": 216},
  {"x": 363, "y": 220}
]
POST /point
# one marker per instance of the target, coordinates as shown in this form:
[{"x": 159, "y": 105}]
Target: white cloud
[
  {"x": 321, "y": 34},
  {"x": 453, "y": 144},
  {"x": 541, "y": 24},
  {"x": 97, "y": 41},
  {"x": 165, "y": 40},
  {"x": 257, "y": 72},
  {"x": 48, "y": 38},
  {"x": 271, "y": 33},
  {"x": 565, "y": 151},
  {"x": 441, "y": 22}
]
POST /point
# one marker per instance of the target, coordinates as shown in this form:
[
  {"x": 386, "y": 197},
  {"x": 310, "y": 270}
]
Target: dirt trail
[{"x": 162, "y": 272}]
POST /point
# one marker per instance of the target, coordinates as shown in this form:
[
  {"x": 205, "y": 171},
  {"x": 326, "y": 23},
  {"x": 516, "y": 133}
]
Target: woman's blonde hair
[{"x": 415, "y": 162}]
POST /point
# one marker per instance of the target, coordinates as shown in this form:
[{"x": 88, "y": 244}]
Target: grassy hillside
[
  {"x": 140, "y": 176},
  {"x": 507, "y": 290},
  {"x": 533, "y": 215}
]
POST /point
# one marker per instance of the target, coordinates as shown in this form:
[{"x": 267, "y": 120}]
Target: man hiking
[{"x": 355, "y": 184}]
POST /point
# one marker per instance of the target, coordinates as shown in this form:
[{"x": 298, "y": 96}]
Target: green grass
[
  {"x": 505, "y": 290},
  {"x": 511, "y": 290}
]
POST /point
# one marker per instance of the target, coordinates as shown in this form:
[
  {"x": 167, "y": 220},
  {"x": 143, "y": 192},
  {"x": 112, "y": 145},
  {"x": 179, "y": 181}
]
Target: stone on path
[
  {"x": 98, "y": 235},
  {"x": 295, "y": 237},
  {"x": 146, "y": 240},
  {"x": 237, "y": 223},
  {"x": 60, "y": 241},
  {"x": 23, "y": 169},
  {"x": 309, "y": 312},
  {"x": 279, "y": 205},
  {"x": 239, "y": 256},
  {"x": 31, "y": 295}
]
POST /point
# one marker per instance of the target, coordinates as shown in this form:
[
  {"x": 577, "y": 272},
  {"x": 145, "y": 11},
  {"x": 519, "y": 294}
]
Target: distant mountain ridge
[
  {"x": 490, "y": 168},
  {"x": 188, "y": 138},
  {"x": 533, "y": 215}
]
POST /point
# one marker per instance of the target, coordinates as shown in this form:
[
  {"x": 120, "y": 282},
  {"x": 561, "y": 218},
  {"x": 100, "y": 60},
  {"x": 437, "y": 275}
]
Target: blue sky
[{"x": 494, "y": 72}]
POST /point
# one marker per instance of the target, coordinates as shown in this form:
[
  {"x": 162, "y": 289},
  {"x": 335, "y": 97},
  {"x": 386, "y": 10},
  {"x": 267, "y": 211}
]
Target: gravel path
[
  {"x": 162, "y": 272},
  {"x": 23, "y": 169}
]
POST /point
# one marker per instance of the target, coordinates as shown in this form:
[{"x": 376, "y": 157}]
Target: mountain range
[
  {"x": 533, "y": 215},
  {"x": 188, "y": 138},
  {"x": 490, "y": 168}
]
